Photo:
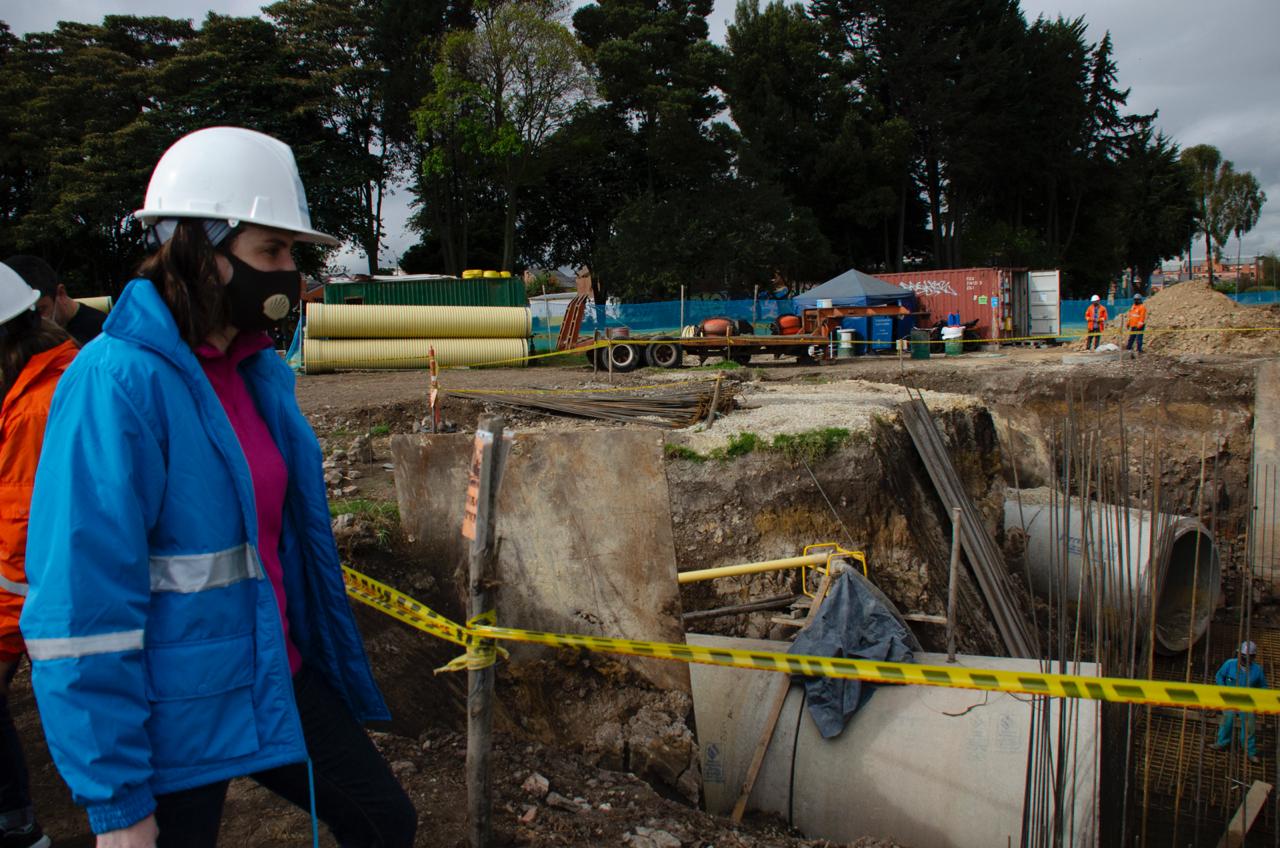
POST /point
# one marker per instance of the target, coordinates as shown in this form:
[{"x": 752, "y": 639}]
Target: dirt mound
[{"x": 1191, "y": 317}]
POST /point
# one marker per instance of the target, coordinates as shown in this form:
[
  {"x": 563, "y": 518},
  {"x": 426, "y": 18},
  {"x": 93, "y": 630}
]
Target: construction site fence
[{"x": 667, "y": 317}]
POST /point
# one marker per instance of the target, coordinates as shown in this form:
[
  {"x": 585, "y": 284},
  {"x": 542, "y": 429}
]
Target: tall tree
[
  {"x": 505, "y": 86},
  {"x": 1157, "y": 203},
  {"x": 659, "y": 72},
  {"x": 367, "y": 55},
  {"x": 1243, "y": 198},
  {"x": 1209, "y": 175}
]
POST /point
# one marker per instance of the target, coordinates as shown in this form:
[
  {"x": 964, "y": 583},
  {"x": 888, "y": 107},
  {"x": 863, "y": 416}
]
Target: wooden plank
[
  {"x": 781, "y": 687},
  {"x": 1243, "y": 820}
]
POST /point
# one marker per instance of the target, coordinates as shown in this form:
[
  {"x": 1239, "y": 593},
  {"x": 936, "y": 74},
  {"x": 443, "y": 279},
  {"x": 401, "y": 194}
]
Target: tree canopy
[{"x": 880, "y": 134}]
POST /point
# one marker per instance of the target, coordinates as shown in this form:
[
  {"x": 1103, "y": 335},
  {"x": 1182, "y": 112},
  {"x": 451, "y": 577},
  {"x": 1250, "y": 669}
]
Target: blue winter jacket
[
  {"x": 1229, "y": 675},
  {"x": 158, "y": 655}
]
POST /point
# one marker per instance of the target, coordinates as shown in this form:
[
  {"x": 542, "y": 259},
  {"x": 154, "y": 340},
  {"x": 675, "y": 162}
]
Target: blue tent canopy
[{"x": 854, "y": 288}]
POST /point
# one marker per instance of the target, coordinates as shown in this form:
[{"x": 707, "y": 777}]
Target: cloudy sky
[{"x": 1212, "y": 71}]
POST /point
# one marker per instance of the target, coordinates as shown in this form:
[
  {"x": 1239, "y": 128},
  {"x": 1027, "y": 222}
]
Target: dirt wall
[{"x": 872, "y": 493}]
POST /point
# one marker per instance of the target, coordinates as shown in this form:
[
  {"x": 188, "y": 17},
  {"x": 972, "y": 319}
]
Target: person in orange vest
[
  {"x": 1137, "y": 323},
  {"x": 1095, "y": 316},
  {"x": 33, "y": 355}
]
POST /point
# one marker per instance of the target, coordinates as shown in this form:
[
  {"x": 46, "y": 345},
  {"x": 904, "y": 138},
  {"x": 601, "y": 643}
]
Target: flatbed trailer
[{"x": 625, "y": 352}]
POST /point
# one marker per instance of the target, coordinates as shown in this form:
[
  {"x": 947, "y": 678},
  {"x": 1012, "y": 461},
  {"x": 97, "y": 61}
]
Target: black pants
[
  {"x": 1136, "y": 334},
  {"x": 1093, "y": 339},
  {"x": 15, "y": 795},
  {"x": 356, "y": 794}
]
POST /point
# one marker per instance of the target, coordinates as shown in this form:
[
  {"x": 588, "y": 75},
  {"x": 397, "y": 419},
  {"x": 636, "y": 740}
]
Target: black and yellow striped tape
[{"x": 479, "y": 635}]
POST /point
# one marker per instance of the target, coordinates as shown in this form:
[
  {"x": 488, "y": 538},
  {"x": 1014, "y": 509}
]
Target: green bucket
[{"x": 919, "y": 344}]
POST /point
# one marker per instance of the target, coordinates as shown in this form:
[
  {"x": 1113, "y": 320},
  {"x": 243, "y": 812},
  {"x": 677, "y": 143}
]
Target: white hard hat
[
  {"x": 1095, "y": 299},
  {"x": 234, "y": 175},
  {"x": 1248, "y": 649},
  {"x": 15, "y": 295}
]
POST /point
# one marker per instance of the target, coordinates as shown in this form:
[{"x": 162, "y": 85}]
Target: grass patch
[
  {"x": 810, "y": 446},
  {"x": 340, "y": 433},
  {"x": 682, "y": 452},
  {"x": 365, "y": 508},
  {"x": 723, "y": 365},
  {"x": 380, "y": 429}
]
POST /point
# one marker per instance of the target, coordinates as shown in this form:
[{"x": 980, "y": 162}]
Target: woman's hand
[{"x": 138, "y": 835}]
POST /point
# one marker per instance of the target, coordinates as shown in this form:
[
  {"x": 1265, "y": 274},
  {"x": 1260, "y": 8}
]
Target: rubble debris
[{"x": 536, "y": 785}]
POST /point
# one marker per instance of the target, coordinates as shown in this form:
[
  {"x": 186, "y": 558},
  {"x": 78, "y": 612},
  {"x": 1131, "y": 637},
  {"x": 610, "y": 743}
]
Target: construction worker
[
  {"x": 1241, "y": 670},
  {"x": 1137, "y": 323},
  {"x": 187, "y": 620},
  {"x": 33, "y": 355},
  {"x": 1095, "y": 317},
  {"x": 82, "y": 322}
]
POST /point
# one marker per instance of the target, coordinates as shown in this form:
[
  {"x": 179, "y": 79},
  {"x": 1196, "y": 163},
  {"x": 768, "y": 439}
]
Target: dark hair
[
  {"x": 36, "y": 273},
  {"x": 24, "y": 336},
  {"x": 185, "y": 272}
]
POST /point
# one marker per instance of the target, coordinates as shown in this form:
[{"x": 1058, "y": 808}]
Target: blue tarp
[{"x": 854, "y": 288}]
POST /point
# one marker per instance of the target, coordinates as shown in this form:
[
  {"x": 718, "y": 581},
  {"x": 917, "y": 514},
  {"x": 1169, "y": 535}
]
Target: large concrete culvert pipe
[
  {"x": 1124, "y": 554},
  {"x": 925, "y": 766}
]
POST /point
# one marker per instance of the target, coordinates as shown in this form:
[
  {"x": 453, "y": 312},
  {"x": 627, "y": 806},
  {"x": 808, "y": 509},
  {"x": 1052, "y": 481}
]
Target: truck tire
[
  {"x": 664, "y": 354},
  {"x": 741, "y": 357},
  {"x": 626, "y": 357}
]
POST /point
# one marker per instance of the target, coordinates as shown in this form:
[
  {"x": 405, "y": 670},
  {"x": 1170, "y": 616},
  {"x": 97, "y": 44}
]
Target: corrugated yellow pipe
[
  {"x": 102, "y": 304},
  {"x": 320, "y": 355},
  {"x": 358, "y": 321}
]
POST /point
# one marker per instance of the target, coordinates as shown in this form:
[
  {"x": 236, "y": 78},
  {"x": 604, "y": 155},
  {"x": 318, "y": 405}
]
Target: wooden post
[
  {"x": 434, "y": 394},
  {"x": 478, "y": 524},
  {"x": 951, "y": 585}
]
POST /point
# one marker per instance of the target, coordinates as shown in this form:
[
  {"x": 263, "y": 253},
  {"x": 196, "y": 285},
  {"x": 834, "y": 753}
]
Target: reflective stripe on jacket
[
  {"x": 1138, "y": 316},
  {"x": 158, "y": 655},
  {"x": 1096, "y": 316},
  {"x": 22, "y": 420}
]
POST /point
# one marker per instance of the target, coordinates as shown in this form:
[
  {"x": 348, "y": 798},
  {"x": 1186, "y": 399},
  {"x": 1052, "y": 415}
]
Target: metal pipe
[
  {"x": 752, "y": 568},
  {"x": 1155, "y": 559}
]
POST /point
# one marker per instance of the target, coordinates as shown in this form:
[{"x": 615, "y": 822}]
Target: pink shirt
[{"x": 266, "y": 465}]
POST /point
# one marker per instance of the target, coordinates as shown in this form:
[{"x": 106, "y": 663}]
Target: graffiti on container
[{"x": 926, "y": 288}]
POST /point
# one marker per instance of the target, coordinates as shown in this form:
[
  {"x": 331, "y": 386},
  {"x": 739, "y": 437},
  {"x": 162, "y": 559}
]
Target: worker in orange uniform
[
  {"x": 33, "y": 354},
  {"x": 1095, "y": 317},
  {"x": 1137, "y": 323}
]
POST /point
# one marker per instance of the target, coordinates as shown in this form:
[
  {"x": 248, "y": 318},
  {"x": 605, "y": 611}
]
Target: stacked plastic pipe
[{"x": 367, "y": 337}]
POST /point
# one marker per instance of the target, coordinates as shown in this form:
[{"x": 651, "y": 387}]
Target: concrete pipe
[
  {"x": 1123, "y": 556},
  {"x": 320, "y": 356},
  {"x": 350, "y": 321},
  {"x": 920, "y": 765}
]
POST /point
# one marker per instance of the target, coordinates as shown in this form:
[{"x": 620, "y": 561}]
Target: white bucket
[
  {"x": 846, "y": 343},
  {"x": 951, "y": 333},
  {"x": 825, "y": 303}
]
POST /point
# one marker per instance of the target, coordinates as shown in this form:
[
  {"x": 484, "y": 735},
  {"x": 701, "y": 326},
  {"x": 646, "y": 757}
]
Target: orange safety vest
[
  {"x": 22, "y": 420},
  {"x": 1096, "y": 316},
  {"x": 1138, "y": 316}
]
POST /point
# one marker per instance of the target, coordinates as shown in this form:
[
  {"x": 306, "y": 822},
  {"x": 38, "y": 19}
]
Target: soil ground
[{"x": 426, "y": 747}]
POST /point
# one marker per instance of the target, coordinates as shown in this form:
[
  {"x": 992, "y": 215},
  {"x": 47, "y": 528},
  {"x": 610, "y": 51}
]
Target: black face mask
[{"x": 258, "y": 300}]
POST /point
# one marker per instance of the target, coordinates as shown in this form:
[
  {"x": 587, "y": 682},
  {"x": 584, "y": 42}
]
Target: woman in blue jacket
[{"x": 186, "y": 618}]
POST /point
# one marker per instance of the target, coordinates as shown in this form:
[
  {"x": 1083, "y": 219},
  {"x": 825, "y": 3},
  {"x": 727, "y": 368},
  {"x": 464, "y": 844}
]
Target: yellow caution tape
[
  {"x": 598, "y": 390},
  {"x": 478, "y": 633}
]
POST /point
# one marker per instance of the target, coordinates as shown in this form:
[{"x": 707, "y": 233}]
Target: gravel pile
[{"x": 1197, "y": 314}]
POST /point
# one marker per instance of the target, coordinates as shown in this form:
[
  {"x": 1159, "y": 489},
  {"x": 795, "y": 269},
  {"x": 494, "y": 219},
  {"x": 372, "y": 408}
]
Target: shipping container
[
  {"x": 1004, "y": 302},
  {"x": 424, "y": 290}
]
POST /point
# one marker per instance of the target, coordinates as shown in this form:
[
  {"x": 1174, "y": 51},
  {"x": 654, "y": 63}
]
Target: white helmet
[
  {"x": 15, "y": 295},
  {"x": 1094, "y": 299},
  {"x": 234, "y": 175},
  {"x": 1248, "y": 649}
]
